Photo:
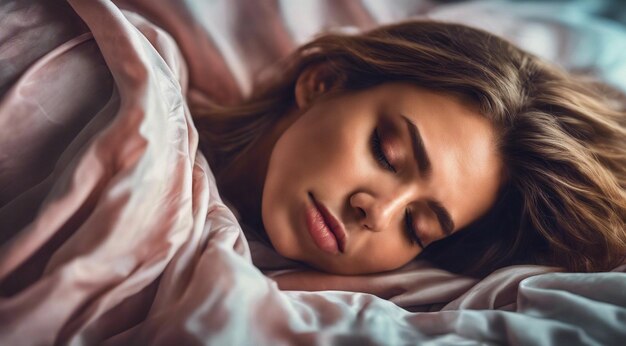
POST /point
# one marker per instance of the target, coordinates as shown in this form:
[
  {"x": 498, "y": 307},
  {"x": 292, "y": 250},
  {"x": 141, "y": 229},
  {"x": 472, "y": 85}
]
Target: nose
[{"x": 376, "y": 213}]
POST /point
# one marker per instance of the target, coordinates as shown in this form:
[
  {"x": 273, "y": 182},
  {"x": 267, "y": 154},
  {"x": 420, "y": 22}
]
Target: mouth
[{"x": 327, "y": 232}]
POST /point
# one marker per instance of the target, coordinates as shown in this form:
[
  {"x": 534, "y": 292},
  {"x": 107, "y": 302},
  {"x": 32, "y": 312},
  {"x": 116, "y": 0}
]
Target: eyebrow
[
  {"x": 447, "y": 225},
  {"x": 425, "y": 168},
  {"x": 419, "y": 151}
]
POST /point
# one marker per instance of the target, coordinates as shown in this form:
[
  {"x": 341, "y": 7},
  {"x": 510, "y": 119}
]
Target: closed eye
[
  {"x": 410, "y": 230},
  {"x": 379, "y": 154}
]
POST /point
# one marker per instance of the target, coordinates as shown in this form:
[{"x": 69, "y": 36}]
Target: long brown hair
[{"x": 562, "y": 138}]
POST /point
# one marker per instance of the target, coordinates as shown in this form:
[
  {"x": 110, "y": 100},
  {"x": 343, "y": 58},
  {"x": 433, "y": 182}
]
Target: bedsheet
[{"x": 112, "y": 230}]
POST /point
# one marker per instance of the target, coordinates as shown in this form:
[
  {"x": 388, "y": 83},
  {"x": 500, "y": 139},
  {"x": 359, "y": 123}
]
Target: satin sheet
[{"x": 113, "y": 231}]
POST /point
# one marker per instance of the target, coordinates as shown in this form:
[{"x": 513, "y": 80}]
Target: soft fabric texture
[{"x": 112, "y": 229}]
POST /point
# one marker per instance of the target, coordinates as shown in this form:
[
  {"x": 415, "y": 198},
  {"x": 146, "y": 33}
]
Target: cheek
[
  {"x": 304, "y": 159},
  {"x": 384, "y": 252},
  {"x": 314, "y": 152},
  {"x": 279, "y": 199}
]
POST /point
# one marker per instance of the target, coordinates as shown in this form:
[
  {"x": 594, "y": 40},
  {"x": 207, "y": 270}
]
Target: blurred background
[{"x": 586, "y": 36}]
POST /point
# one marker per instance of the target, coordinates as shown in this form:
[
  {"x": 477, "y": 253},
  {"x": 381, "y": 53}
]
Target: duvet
[{"x": 112, "y": 230}]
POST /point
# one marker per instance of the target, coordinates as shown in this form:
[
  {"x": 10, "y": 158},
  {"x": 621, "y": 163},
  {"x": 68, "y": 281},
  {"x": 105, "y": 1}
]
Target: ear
[{"x": 314, "y": 81}]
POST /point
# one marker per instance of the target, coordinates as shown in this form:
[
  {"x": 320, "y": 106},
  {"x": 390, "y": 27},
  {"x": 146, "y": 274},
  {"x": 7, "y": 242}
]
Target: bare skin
[{"x": 355, "y": 154}]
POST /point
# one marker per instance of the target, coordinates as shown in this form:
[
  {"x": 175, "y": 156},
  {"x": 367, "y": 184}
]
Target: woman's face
[{"x": 362, "y": 181}]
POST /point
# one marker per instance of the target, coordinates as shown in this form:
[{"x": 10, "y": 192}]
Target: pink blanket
[{"x": 112, "y": 229}]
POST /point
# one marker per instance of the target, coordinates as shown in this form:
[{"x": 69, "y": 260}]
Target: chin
[
  {"x": 286, "y": 249},
  {"x": 333, "y": 268}
]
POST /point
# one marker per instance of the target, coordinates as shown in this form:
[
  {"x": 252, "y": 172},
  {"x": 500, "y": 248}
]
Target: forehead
[{"x": 466, "y": 167}]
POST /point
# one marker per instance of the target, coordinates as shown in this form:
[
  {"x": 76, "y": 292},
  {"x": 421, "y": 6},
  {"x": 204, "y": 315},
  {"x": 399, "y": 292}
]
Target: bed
[{"x": 112, "y": 230}]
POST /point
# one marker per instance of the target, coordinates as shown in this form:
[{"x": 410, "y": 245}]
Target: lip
[{"x": 328, "y": 233}]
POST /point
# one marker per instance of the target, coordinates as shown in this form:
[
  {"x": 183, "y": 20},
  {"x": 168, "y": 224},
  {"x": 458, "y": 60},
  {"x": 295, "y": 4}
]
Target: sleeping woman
[{"x": 429, "y": 140}]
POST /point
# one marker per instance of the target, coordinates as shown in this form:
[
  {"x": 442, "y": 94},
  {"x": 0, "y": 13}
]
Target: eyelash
[
  {"x": 408, "y": 223},
  {"x": 379, "y": 154},
  {"x": 382, "y": 159}
]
